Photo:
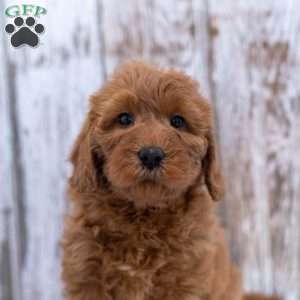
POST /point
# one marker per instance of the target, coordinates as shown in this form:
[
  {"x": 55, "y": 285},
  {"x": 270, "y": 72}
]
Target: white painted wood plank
[
  {"x": 202, "y": 68},
  {"x": 171, "y": 34},
  {"x": 9, "y": 219},
  {"x": 164, "y": 32},
  {"x": 5, "y": 183},
  {"x": 53, "y": 83},
  {"x": 4, "y": 127},
  {"x": 123, "y": 31},
  {"x": 257, "y": 95}
]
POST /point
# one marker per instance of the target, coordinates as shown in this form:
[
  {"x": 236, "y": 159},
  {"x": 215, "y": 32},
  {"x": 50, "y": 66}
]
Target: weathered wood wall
[{"x": 246, "y": 54}]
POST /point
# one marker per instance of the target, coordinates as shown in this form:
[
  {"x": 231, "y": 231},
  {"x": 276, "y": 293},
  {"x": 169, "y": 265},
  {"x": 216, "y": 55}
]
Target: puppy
[{"x": 144, "y": 187}]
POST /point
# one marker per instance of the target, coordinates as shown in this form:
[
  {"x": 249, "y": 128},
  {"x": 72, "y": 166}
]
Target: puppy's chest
[
  {"x": 134, "y": 249},
  {"x": 138, "y": 251}
]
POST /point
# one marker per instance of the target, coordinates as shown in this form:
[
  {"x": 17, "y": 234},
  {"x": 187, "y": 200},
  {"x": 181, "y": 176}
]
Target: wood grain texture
[
  {"x": 52, "y": 85},
  {"x": 256, "y": 59},
  {"x": 10, "y": 240},
  {"x": 164, "y": 32},
  {"x": 5, "y": 183},
  {"x": 246, "y": 57}
]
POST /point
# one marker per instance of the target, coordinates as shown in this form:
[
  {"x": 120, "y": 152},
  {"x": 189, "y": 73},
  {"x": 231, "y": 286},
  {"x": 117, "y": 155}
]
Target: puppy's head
[{"x": 148, "y": 138}]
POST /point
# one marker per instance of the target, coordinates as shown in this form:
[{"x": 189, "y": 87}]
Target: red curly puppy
[{"x": 144, "y": 187}]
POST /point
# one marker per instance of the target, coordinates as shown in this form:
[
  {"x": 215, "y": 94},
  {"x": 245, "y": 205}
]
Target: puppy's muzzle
[{"x": 151, "y": 157}]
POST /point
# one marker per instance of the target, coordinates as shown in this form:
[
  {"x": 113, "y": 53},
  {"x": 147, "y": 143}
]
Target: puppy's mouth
[{"x": 150, "y": 176}]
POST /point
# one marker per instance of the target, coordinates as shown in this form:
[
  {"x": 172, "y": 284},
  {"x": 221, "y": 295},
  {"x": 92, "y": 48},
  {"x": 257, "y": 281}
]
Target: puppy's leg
[
  {"x": 260, "y": 297},
  {"x": 184, "y": 279},
  {"x": 82, "y": 265},
  {"x": 234, "y": 288},
  {"x": 90, "y": 273}
]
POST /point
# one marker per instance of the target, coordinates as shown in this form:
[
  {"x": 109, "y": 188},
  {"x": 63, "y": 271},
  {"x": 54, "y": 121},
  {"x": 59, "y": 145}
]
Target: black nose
[{"x": 151, "y": 157}]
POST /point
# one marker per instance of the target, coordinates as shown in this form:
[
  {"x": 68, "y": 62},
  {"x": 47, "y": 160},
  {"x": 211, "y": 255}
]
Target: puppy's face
[{"x": 149, "y": 134}]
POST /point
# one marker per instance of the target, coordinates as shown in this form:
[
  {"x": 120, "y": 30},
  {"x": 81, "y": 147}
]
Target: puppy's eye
[
  {"x": 178, "y": 122},
  {"x": 125, "y": 119}
]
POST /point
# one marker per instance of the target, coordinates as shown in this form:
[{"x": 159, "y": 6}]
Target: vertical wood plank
[
  {"x": 164, "y": 32},
  {"x": 52, "y": 86},
  {"x": 123, "y": 31},
  {"x": 5, "y": 272},
  {"x": 10, "y": 180},
  {"x": 202, "y": 48},
  {"x": 170, "y": 34},
  {"x": 257, "y": 97},
  {"x": 176, "y": 36},
  {"x": 5, "y": 184}
]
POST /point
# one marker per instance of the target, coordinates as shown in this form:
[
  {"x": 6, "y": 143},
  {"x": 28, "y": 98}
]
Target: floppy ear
[
  {"x": 212, "y": 170},
  {"x": 86, "y": 161}
]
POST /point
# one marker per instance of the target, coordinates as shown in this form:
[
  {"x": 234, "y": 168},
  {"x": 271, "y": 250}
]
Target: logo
[{"x": 24, "y": 29}]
